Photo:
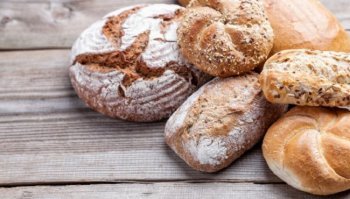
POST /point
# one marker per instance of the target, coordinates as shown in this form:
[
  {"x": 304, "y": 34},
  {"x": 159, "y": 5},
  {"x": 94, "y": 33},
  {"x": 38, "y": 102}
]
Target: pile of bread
[{"x": 200, "y": 65}]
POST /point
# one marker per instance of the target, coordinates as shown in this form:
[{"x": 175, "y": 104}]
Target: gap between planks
[
  {"x": 138, "y": 181},
  {"x": 49, "y": 136},
  {"x": 162, "y": 190}
]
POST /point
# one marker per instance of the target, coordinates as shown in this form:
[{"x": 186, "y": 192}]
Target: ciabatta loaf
[
  {"x": 128, "y": 64},
  {"x": 224, "y": 37},
  {"x": 308, "y": 78},
  {"x": 309, "y": 148},
  {"x": 221, "y": 121}
]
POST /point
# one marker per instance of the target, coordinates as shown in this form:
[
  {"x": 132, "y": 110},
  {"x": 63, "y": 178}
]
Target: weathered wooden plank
[
  {"x": 28, "y": 24},
  {"x": 340, "y": 8},
  {"x": 86, "y": 147},
  {"x": 48, "y": 135},
  {"x": 51, "y": 24},
  {"x": 162, "y": 190}
]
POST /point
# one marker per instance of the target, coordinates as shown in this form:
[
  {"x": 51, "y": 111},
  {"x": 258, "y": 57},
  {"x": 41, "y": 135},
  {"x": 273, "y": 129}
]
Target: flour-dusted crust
[
  {"x": 308, "y": 78},
  {"x": 128, "y": 64},
  {"x": 225, "y": 37},
  {"x": 220, "y": 121},
  {"x": 309, "y": 148}
]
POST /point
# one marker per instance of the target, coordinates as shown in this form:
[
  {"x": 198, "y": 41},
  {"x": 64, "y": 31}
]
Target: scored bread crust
[
  {"x": 309, "y": 148},
  {"x": 128, "y": 64},
  {"x": 220, "y": 121},
  {"x": 224, "y": 37},
  {"x": 308, "y": 78}
]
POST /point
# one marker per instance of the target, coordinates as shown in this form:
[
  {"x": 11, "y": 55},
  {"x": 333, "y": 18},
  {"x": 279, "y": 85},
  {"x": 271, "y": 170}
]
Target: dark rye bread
[
  {"x": 128, "y": 65},
  {"x": 307, "y": 78},
  {"x": 224, "y": 37},
  {"x": 220, "y": 122}
]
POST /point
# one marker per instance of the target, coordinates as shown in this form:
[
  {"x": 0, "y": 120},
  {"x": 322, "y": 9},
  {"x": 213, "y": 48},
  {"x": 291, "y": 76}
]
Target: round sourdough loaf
[
  {"x": 225, "y": 38},
  {"x": 128, "y": 65},
  {"x": 309, "y": 148},
  {"x": 307, "y": 78},
  {"x": 220, "y": 122}
]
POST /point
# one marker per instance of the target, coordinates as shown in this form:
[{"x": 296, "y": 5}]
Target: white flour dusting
[
  {"x": 208, "y": 150},
  {"x": 92, "y": 41},
  {"x": 178, "y": 118},
  {"x": 162, "y": 47},
  {"x": 152, "y": 98}
]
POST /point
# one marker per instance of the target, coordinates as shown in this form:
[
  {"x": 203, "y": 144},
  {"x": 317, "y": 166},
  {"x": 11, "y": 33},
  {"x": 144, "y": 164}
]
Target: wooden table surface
[{"x": 53, "y": 146}]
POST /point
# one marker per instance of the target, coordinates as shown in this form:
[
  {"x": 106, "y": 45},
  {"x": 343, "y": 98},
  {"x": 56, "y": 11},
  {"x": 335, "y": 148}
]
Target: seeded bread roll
[
  {"x": 225, "y": 38},
  {"x": 307, "y": 78},
  {"x": 305, "y": 24},
  {"x": 220, "y": 122},
  {"x": 309, "y": 148},
  {"x": 128, "y": 65}
]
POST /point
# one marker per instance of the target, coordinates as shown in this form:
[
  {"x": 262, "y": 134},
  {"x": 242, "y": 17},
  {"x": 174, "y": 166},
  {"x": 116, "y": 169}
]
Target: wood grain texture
[
  {"x": 52, "y": 24},
  {"x": 56, "y": 24},
  {"x": 162, "y": 190},
  {"x": 49, "y": 136}
]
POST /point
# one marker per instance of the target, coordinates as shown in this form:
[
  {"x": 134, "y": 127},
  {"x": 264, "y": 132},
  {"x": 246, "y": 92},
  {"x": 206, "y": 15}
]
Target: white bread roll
[
  {"x": 305, "y": 24},
  {"x": 309, "y": 148}
]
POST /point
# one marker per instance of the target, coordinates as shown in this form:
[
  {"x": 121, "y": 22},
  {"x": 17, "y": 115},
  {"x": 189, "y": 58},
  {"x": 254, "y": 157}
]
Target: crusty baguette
[
  {"x": 220, "y": 122},
  {"x": 309, "y": 148},
  {"x": 225, "y": 38},
  {"x": 308, "y": 78},
  {"x": 128, "y": 65},
  {"x": 305, "y": 24}
]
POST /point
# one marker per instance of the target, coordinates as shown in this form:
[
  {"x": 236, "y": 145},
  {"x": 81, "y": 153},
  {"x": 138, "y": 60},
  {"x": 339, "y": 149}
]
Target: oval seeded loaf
[
  {"x": 220, "y": 122},
  {"x": 128, "y": 64},
  {"x": 307, "y": 78}
]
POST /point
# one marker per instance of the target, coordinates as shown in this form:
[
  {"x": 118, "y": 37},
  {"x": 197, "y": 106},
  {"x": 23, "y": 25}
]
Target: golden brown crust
[
  {"x": 225, "y": 38},
  {"x": 305, "y": 24},
  {"x": 308, "y": 78},
  {"x": 309, "y": 148},
  {"x": 184, "y": 2},
  {"x": 220, "y": 122}
]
